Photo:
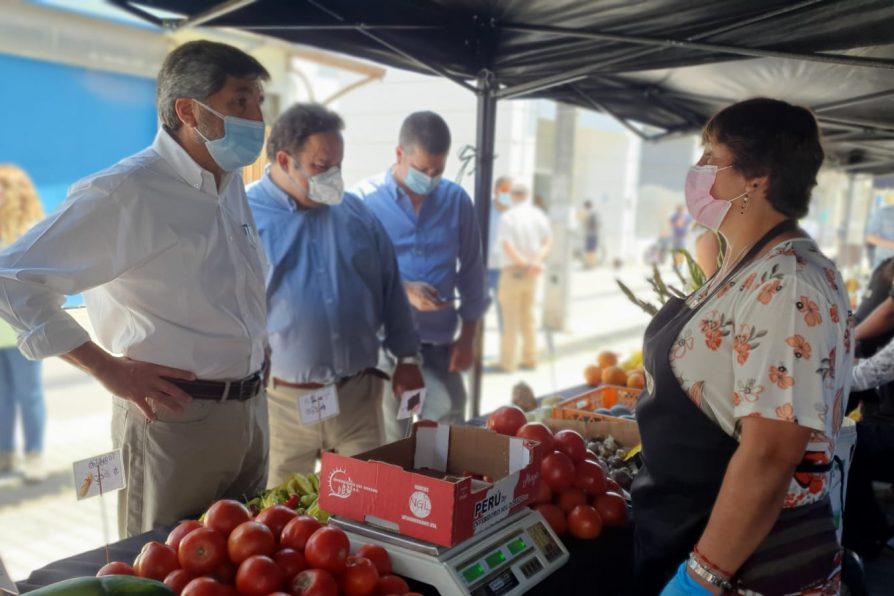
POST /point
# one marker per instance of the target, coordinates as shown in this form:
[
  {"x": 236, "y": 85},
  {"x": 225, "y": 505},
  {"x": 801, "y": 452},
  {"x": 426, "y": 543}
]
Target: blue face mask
[
  {"x": 241, "y": 143},
  {"x": 505, "y": 199},
  {"x": 419, "y": 183}
]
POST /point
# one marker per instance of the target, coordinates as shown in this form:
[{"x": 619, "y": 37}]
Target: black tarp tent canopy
[{"x": 665, "y": 64}]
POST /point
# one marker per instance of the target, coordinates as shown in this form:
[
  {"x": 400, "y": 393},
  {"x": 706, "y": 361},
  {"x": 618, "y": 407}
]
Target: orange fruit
[
  {"x": 614, "y": 376},
  {"x": 606, "y": 359},
  {"x": 593, "y": 375},
  {"x": 636, "y": 380}
]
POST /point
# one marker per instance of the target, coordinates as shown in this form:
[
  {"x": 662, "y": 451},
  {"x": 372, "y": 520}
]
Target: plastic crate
[{"x": 584, "y": 406}]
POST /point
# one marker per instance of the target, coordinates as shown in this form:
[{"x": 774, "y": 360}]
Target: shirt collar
[
  {"x": 391, "y": 183},
  {"x": 279, "y": 196},
  {"x": 183, "y": 163}
]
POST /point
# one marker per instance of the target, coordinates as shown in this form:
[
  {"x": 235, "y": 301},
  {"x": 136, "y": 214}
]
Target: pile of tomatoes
[
  {"x": 278, "y": 552},
  {"x": 574, "y": 495}
]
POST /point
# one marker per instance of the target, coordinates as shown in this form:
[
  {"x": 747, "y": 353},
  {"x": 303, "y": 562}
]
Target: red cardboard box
[{"x": 421, "y": 486}]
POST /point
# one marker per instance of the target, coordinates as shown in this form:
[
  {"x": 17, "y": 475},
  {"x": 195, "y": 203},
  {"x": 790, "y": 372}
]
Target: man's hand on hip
[
  {"x": 140, "y": 382},
  {"x": 423, "y": 296},
  {"x": 406, "y": 377}
]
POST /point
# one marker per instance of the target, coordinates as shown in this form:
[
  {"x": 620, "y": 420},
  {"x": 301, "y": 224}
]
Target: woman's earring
[{"x": 744, "y": 205}]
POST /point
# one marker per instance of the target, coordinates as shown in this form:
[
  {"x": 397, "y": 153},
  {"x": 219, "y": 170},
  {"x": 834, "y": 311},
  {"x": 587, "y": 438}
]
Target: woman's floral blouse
[{"x": 774, "y": 341}]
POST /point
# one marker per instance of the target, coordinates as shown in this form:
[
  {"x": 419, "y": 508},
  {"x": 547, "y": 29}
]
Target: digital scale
[{"x": 505, "y": 560}]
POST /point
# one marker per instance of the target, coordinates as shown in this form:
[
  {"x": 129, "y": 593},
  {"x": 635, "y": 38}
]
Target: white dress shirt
[
  {"x": 526, "y": 228},
  {"x": 170, "y": 267}
]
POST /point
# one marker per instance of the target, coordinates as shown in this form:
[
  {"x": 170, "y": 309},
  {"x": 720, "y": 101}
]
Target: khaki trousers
[
  {"x": 516, "y": 297},
  {"x": 357, "y": 428},
  {"x": 178, "y": 465}
]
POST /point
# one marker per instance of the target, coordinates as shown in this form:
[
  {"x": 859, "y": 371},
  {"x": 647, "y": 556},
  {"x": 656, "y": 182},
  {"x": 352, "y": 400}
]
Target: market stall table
[{"x": 602, "y": 566}]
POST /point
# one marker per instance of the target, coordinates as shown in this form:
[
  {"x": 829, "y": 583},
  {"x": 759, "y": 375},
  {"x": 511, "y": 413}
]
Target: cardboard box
[
  {"x": 420, "y": 487},
  {"x": 625, "y": 432}
]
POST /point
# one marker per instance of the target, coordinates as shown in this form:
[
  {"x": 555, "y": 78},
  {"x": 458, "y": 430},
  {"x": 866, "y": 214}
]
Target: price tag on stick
[
  {"x": 411, "y": 403},
  {"x": 318, "y": 405},
  {"x": 6, "y": 583},
  {"x": 99, "y": 474}
]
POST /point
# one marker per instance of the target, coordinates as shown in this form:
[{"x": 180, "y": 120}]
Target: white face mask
[{"x": 326, "y": 188}]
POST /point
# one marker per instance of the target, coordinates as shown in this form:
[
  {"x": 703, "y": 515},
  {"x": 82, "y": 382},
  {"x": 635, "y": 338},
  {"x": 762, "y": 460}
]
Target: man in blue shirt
[
  {"x": 332, "y": 284},
  {"x": 880, "y": 235},
  {"x": 432, "y": 223}
]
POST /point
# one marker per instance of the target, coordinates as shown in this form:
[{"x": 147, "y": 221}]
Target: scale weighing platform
[{"x": 505, "y": 560}]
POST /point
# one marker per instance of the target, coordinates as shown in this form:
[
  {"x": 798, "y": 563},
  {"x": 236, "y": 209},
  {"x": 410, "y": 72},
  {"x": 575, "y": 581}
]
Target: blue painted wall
[{"x": 61, "y": 122}]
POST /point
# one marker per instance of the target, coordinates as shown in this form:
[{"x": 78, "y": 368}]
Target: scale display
[{"x": 505, "y": 560}]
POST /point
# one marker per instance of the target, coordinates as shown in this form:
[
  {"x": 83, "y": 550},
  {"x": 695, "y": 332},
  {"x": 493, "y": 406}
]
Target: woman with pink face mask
[{"x": 746, "y": 379}]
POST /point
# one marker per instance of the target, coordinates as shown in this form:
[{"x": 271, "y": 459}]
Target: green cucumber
[{"x": 109, "y": 585}]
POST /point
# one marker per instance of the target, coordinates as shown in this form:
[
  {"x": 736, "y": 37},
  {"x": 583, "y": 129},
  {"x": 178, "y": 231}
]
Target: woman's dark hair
[{"x": 772, "y": 138}]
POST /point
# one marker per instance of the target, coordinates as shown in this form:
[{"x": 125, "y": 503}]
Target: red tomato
[
  {"x": 506, "y": 420},
  {"x": 290, "y": 561},
  {"x": 328, "y": 549},
  {"x": 177, "y": 580},
  {"x": 544, "y": 494},
  {"x": 225, "y": 515},
  {"x": 584, "y": 522},
  {"x": 182, "y": 529},
  {"x": 202, "y": 551},
  {"x": 612, "y": 509},
  {"x": 378, "y": 556},
  {"x": 314, "y": 582},
  {"x": 611, "y": 486},
  {"x": 115, "y": 568},
  {"x": 156, "y": 561},
  {"x": 276, "y": 518},
  {"x": 538, "y": 432},
  {"x": 226, "y": 573},
  {"x": 572, "y": 444},
  {"x": 391, "y": 584},
  {"x": 570, "y": 499},
  {"x": 554, "y": 517},
  {"x": 206, "y": 586},
  {"x": 557, "y": 470},
  {"x": 297, "y": 531},
  {"x": 591, "y": 455},
  {"x": 258, "y": 576},
  {"x": 359, "y": 578},
  {"x": 248, "y": 539},
  {"x": 590, "y": 478}
]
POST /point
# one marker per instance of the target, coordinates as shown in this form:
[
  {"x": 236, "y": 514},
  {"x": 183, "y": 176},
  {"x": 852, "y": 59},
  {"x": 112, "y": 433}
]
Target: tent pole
[{"x": 484, "y": 169}]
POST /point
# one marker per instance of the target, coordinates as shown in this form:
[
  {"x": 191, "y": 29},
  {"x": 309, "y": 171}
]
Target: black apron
[{"x": 685, "y": 454}]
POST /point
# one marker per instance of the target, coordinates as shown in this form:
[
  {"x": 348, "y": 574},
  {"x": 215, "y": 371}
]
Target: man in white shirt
[
  {"x": 526, "y": 238},
  {"x": 164, "y": 248}
]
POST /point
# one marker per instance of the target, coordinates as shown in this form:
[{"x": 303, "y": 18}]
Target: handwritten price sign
[{"x": 99, "y": 474}]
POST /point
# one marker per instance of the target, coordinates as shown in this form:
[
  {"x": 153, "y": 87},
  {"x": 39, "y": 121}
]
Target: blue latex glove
[{"x": 683, "y": 584}]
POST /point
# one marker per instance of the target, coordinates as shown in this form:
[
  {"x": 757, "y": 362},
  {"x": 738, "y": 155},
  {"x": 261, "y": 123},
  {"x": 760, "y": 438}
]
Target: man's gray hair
[
  {"x": 198, "y": 70},
  {"x": 427, "y": 131},
  {"x": 292, "y": 129}
]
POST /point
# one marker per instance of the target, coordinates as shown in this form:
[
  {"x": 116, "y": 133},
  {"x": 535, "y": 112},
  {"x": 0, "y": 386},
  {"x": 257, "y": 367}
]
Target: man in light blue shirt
[
  {"x": 432, "y": 223},
  {"x": 332, "y": 284}
]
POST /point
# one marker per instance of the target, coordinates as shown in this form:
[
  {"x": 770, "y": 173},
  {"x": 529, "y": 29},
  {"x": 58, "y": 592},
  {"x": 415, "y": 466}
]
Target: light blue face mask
[
  {"x": 419, "y": 183},
  {"x": 241, "y": 143},
  {"x": 505, "y": 199}
]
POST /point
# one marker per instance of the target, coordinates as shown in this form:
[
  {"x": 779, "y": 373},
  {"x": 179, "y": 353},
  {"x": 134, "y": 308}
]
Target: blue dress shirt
[
  {"x": 441, "y": 245},
  {"x": 332, "y": 284}
]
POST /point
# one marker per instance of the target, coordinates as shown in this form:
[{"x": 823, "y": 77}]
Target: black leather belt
[{"x": 241, "y": 390}]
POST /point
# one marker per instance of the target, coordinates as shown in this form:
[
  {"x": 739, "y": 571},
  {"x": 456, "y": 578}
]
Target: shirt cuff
[{"x": 60, "y": 335}]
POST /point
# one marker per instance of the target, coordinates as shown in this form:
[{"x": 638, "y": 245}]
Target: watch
[{"x": 414, "y": 359}]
